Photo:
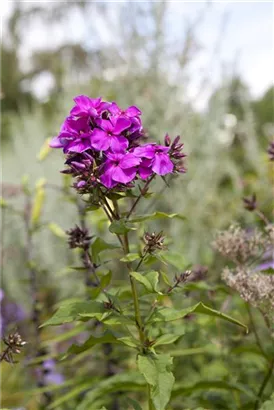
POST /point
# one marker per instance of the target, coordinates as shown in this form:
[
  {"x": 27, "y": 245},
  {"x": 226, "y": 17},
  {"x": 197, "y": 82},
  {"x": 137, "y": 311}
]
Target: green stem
[
  {"x": 142, "y": 193},
  {"x": 141, "y": 261},
  {"x": 138, "y": 317},
  {"x": 264, "y": 384},
  {"x": 150, "y": 403},
  {"x": 262, "y": 216},
  {"x": 255, "y": 331}
]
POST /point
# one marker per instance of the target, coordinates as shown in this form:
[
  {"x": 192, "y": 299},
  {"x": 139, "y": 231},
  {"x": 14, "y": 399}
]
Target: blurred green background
[{"x": 176, "y": 65}]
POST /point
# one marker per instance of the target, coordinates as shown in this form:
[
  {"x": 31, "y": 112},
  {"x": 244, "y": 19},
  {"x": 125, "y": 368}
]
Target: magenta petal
[
  {"x": 129, "y": 161},
  {"x": 99, "y": 140},
  {"x": 162, "y": 164},
  {"x": 106, "y": 125},
  {"x": 114, "y": 109},
  {"x": 145, "y": 151},
  {"x": 124, "y": 175},
  {"x": 133, "y": 111},
  {"x": 145, "y": 172},
  {"x": 56, "y": 143},
  {"x": 83, "y": 101},
  {"x": 75, "y": 110},
  {"x": 106, "y": 178},
  {"x": 65, "y": 135},
  {"x": 121, "y": 124},
  {"x": 118, "y": 143},
  {"x": 78, "y": 145}
]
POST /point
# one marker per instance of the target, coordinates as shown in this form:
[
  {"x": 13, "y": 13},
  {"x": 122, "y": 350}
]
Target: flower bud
[{"x": 167, "y": 140}]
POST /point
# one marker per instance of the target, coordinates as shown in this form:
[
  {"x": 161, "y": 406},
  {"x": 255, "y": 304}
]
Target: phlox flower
[
  {"x": 86, "y": 106},
  {"x": 109, "y": 135},
  {"x": 155, "y": 158},
  {"x": 74, "y": 135},
  {"x": 119, "y": 168}
]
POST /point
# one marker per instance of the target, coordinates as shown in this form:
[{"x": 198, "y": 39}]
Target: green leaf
[
  {"x": 206, "y": 385},
  {"x": 120, "y": 227},
  {"x": 155, "y": 215},
  {"x": 98, "y": 246},
  {"x": 148, "y": 280},
  {"x": 268, "y": 271},
  {"x": 68, "y": 312},
  {"x": 74, "y": 392},
  {"x": 156, "y": 370},
  {"x": 38, "y": 202},
  {"x": 175, "y": 259},
  {"x": 107, "y": 337},
  {"x": 3, "y": 203},
  {"x": 130, "y": 257},
  {"x": 57, "y": 230},
  {"x": 269, "y": 404},
  {"x": 133, "y": 403},
  {"x": 65, "y": 335},
  {"x": 165, "y": 314},
  {"x": 165, "y": 278},
  {"x": 105, "y": 280},
  {"x": 126, "y": 381},
  {"x": 45, "y": 150},
  {"x": 166, "y": 339}
]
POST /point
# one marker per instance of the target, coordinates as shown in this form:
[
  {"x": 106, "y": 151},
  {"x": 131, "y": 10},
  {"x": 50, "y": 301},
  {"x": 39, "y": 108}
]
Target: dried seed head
[
  {"x": 255, "y": 288},
  {"x": 14, "y": 340},
  {"x": 153, "y": 242},
  {"x": 78, "y": 238},
  {"x": 178, "y": 279},
  {"x": 182, "y": 277},
  {"x": 241, "y": 246},
  {"x": 14, "y": 343}
]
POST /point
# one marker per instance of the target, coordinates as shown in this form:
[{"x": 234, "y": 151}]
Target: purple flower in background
[
  {"x": 47, "y": 373},
  {"x": 86, "y": 106},
  {"x": 156, "y": 159},
  {"x": 119, "y": 168},
  {"x": 11, "y": 313},
  {"x": 265, "y": 266},
  {"x": 51, "y": 376},
  {"x": 267, "y": 261},
  {"x": 109, "y": 135}
]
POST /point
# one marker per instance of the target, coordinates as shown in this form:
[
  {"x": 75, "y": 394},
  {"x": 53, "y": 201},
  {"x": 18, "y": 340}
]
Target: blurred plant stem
[
  {"x": 91, "y": 271},
  {"x": 264, "y": 383},
  {"x": 254, "y": 328},
  {"x": 270, "y": 361},
  {"x": 36, "y": 309}
]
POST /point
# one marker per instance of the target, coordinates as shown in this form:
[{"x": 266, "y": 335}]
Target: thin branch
[
  {"x": 142, "y": 193},
  {"x": 262, "y": 216},
  {"x": 255, "y": 331},
  {"x": 264, "y": 384}
]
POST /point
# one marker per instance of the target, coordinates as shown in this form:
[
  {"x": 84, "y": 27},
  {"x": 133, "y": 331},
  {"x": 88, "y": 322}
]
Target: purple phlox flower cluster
[
  {"x": 103, "y": 146},
  {"x": 11, "y": 313}
]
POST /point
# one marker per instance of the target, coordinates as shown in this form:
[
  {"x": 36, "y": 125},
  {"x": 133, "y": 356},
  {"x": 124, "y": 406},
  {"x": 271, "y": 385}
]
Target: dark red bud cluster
[
  {"x": 78, "y": 238},
  {"x": 250, "y": 203}
]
